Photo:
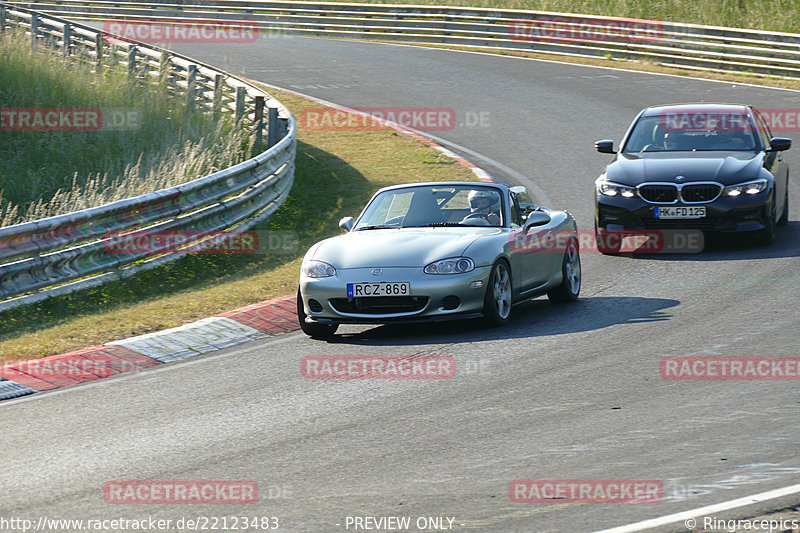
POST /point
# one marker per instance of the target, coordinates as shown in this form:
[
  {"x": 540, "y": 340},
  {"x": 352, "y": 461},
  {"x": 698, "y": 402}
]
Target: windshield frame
[
  {"x": 649, "y": 121},
  {"x": 366, "y": 220}
]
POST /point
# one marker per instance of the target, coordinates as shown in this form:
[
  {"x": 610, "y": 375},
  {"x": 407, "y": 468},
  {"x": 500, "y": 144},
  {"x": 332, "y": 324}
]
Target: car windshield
[
  {"x": 685, "y": 132},
  {"x": 421, "y": 206}
]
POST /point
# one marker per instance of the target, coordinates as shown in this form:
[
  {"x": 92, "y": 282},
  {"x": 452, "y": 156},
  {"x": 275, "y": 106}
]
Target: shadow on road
[{"x": 531, "y": 319}]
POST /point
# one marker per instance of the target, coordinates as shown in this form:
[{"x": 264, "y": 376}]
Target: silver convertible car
[{"x": 439, "y": 251}]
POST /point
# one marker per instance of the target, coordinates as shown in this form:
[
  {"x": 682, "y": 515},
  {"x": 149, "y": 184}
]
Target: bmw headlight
[
  {"x": 609, "y": 188},
  {"x": 452, "y": 265},
  {"x": 317, "y": 269},
  {"x": 749, "y": 187}
]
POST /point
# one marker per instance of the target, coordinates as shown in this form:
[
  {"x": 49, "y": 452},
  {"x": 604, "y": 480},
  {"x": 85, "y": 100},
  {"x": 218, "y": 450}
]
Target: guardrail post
[
  {"x": 132, "y": 61},
  {"x": 217, "y": 103},
  {"x": 163, "y": 68},
  {"x": 239, "y": 104},
  {"x": 259, "y": 119},
  {"x": 34, "y": 29},
  {"x": 98, "y": 47},
  {"x": 283, "y": 127},
  {"x": 67, "y": 49},
  {"x": 272, "y": 132},
  {"x": 191, "y": 86}
]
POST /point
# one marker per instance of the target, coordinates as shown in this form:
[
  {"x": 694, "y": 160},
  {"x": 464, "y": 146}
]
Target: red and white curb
[{"x": 256, "y": 321}]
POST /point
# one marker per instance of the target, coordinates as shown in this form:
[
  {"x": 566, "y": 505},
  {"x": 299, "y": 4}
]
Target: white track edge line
[{"x": 703, "y": 511}]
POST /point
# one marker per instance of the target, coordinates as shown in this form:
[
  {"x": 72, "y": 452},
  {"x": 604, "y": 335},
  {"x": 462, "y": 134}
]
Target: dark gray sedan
[
  {"x": 709, "y": 167},
  {"x": 439, "y": 251}
]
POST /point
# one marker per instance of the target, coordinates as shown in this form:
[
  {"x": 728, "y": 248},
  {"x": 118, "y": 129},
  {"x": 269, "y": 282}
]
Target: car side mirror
[
  {"x": 605, "y": 146},
  {"x": 346, "y": 223},
  {"x": 779, "y": 144},
  {"x": 537, "y": 218}
]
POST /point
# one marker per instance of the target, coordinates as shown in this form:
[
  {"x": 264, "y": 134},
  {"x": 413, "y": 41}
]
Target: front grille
[
  {"x": 661, "y": 194},
  {"x": 700, "y": 193},
  {"x": 379, "y": 305}
]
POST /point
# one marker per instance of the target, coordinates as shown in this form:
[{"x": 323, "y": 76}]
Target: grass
[
  {"x": 45, "y": 173},
  {"x": 767, "y": 15},
  {"x": 336, "y": 174}
]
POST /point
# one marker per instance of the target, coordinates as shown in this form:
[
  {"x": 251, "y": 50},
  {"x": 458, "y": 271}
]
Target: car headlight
[
  {"x": 317, "y": 269},
  {"x": 609, "y": 188},
  {"x": 749, "y": 187},
  {"x": 452, "y": 265}
]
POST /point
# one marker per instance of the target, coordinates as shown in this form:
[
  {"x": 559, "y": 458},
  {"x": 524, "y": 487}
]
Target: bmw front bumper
[{"x": 725, "y": 214}]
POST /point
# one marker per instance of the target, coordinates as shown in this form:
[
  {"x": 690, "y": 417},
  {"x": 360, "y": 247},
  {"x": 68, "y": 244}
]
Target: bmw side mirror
[
  {"x": 346, "y": 223},
  {"x": 604, "y": 147},
  {"x": 537, "y": 218},
  {"x": 779, "y": 144}
]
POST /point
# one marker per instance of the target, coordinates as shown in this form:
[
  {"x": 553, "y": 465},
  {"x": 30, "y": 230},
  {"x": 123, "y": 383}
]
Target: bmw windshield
[{"x": 692, "y": 132}]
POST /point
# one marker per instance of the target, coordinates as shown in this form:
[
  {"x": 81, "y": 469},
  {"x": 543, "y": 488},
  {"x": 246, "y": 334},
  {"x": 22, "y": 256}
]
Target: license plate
[
  {"x": 680, "y": 212},
  {"x": 357, "y": 290}
]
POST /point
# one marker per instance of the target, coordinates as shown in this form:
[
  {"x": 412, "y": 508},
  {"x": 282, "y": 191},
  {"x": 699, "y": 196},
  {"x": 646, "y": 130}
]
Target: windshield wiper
[
  {"x": 377, "y": 226},
  {"x": 439, "y": 224}
]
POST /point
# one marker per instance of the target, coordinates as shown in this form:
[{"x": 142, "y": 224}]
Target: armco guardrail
[
  {"x": 685, "y": 45},
  {"x": 61, "y": 254}
]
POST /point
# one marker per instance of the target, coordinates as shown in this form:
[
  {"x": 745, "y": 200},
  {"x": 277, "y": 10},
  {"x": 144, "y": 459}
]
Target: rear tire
[
  {"x": 570, "y": 286},
  {"x": 497, "y": 301},
  {"x": 313, "y": 330}
]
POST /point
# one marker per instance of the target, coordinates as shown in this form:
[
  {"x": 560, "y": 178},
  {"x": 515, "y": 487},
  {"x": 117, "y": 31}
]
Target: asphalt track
[{"x": 564, "y": 392}]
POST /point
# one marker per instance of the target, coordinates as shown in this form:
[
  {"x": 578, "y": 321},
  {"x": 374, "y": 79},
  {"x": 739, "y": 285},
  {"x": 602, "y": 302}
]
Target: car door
[{"x": 531, "y": 250}]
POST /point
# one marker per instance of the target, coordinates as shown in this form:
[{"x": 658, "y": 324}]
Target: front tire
[
  {"x": 785, "y": 215},
  {"x": 768, "y": 235},
  {"x": 497, "y": 301},
  {"x": 608, "y": 242},
  {"x": 570, "y": 286},
  {"x": 313, "y": 330}
]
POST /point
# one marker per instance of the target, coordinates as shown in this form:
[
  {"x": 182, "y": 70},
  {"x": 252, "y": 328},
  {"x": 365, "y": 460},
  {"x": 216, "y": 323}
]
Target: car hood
[
  {"x": 724, "y": 167},
  {"x": 405, "y": 247}
]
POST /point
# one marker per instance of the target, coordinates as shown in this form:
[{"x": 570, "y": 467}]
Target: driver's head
[
  {"x": 671, "y": 141},
  {"x": 483, "y": 201}
]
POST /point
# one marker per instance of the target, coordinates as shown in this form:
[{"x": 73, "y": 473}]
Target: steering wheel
[{"x": 477, "y": 216}]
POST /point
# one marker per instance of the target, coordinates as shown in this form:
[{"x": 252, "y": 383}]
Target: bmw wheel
[
  {"x": 608, "y": 242},
  {"x": 570, "y": 285},
  {"x": 497, "y": 301},
  {"x": 767, "y": 235},
  {"x": 314, "y": 330},
  {"x": 785, "y": 215}
]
